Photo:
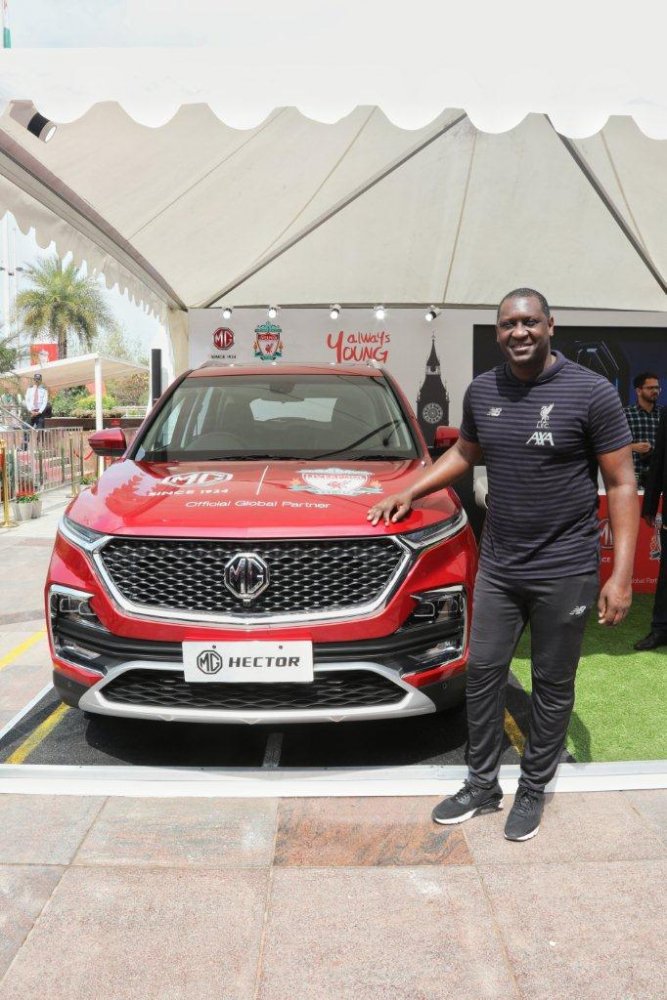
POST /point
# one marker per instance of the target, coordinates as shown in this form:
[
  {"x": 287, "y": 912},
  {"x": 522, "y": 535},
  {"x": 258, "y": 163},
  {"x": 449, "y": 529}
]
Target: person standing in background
[
  {"x": 643, "y": 419},
  {"x": 36, "y": 401},
  {"x": 656, "y": 486}
]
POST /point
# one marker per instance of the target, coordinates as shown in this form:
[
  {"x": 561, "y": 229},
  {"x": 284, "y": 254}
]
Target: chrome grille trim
[
  {"x": 176, "y": 614},
  {"x": 414, "y": 702}
]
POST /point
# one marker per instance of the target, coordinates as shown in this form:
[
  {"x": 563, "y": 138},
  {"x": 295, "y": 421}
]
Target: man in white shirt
[{"x": 36, "y": 401}]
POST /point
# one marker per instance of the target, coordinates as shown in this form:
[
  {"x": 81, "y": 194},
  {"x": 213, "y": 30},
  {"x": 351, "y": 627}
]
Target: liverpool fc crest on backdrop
[{"x": 268, "y": 342}]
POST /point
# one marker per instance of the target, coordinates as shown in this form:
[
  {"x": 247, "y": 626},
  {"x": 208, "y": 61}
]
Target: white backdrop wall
[{"x": 401, "y": 342}]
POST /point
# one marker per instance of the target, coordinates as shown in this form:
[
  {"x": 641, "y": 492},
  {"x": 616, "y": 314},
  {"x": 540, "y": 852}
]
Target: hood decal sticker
[{"x": 336, "y": 482}]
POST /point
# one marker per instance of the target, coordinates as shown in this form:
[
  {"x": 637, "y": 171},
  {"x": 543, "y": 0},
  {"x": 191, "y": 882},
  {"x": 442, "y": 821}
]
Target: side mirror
[
  {"x": 109, "y": 443},
  {"x": 444, "y": 438}
]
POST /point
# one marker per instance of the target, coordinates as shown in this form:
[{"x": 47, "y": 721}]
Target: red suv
[{"x": 223, "y": 569}]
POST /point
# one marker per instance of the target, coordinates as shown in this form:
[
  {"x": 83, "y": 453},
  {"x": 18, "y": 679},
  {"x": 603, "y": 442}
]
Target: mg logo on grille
[
  {"x": 209, "y": 662},
  {"x": 246, "y": 576}
]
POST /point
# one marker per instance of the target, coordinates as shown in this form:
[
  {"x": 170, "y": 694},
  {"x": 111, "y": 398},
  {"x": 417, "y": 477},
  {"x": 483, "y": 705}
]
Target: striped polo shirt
[{"x": 540, "y": 441}]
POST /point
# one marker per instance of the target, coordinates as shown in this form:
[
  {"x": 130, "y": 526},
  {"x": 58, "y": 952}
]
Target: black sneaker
[
  {"x": 524, "y": 818},
  {"x": 468, "y": 801}
]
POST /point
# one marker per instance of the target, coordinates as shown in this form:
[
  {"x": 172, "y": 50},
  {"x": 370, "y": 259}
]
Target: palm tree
[
  {"x": 61, "y": 302},
  {"x": 8, "y": 353}
]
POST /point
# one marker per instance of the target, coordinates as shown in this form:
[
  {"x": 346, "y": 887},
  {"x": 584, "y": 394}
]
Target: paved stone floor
[
  {"x": 299, "y": 898},
  {"x": 329, "y": 898}
]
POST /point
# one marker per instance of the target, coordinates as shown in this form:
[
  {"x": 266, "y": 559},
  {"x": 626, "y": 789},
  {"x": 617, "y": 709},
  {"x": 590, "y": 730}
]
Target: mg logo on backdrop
[
  {"x": 209, "y": 662},
  {"x": 223, "y": 338},
  {"x": 246, "y": 576}
]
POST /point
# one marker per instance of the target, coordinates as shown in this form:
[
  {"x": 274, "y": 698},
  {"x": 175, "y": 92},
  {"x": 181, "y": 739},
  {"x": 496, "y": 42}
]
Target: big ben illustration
[{"x": 433, "y": 398}]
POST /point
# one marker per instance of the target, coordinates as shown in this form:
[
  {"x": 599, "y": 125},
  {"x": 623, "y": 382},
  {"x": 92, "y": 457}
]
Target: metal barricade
[{"x": 43, "y": 460}]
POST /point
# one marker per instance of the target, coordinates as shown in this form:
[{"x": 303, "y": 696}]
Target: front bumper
[
  {"x": 103, "y": 655},
  {"x": 408, "y": 701},
  {"x": 372, "y": 679}
]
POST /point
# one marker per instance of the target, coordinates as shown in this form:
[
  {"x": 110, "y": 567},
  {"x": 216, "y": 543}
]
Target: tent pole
[
  {"x": 99, "y": 420},
  {"x": 608, "y": 203}
]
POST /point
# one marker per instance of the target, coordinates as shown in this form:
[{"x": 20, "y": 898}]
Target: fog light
[
  {"x": 443, "y": 652},
  {"x": 70, "y": 650}
]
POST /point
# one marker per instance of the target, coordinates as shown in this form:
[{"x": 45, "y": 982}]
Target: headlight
[
  {"x": 437, "y": 532},
  {"x": 84, "y": 538},
  {"x": 67, "y": 604}
]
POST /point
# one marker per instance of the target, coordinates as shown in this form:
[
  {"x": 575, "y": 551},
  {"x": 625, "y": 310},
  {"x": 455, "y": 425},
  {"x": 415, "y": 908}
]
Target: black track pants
[
  {"x": 557, "y": 611},
  {"x": 659, "y": 621}
]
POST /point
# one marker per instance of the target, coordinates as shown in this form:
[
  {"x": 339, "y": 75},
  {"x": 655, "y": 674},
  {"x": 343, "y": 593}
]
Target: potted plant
[
  {"x": 27, "y": 505},
  {"x": 87, "y": 479}
]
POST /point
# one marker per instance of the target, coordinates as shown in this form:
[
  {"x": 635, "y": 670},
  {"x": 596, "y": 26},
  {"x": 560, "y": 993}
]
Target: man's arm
[
  {"x": 619, "y": 480},
  {"x": 45, "y": 399},
  {"x": 447, "y": 469}
]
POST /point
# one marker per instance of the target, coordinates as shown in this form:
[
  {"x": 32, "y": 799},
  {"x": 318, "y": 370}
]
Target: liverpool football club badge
[{"x": 268, "y": 342}]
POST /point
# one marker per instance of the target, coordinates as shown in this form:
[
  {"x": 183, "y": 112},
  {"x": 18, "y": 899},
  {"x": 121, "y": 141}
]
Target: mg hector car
[{"x": 223, "y": 568}]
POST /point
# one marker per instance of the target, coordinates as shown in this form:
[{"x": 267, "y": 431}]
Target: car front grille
[
  {"x": 333, "y": 690},
  {"x": 305, "y": 577}
]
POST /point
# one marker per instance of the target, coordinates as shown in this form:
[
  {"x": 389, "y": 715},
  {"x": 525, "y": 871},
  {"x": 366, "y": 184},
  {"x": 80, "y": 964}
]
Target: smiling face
[{"x": 524, "y": 333}]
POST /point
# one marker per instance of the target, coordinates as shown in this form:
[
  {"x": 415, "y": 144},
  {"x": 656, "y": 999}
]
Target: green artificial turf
[{"x": 621, "y": 702}]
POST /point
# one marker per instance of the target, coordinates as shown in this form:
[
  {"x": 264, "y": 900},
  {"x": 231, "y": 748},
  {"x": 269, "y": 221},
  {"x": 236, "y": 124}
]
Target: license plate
[{"x": 240, "y": 662}]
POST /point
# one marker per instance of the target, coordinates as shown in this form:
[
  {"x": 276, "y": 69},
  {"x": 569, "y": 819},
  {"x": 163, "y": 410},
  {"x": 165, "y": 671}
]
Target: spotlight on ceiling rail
[
  {"x": 26, "y": 114},
  {"x": 380, "y": 312},
  {"x": 430, "y": 314},
  {"x": 272, "y": 312},
  {"x": 227, "y": 312},
  {"x": 334, "y": 311}
]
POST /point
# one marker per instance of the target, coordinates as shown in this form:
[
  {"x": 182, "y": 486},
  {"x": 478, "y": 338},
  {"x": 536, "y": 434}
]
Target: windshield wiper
[
  {"x": 247, "y": 458},
  {"x": 379, "y": 456}
]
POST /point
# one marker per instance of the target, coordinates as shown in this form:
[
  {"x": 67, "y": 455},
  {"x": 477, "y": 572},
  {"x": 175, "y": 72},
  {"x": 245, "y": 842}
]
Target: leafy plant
[
  {"x": 65, "y": 401},
  {"x": 85, "y": 407},
  {"x": 27, "y": 497},
  {"x": 62, "y": 302}
]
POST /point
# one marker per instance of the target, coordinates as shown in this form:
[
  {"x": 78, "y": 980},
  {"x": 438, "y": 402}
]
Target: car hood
[{"x": 296, "y": 498}]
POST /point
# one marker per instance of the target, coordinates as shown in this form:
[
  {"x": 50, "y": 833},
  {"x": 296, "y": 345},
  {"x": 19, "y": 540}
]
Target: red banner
[
  {"x": 647, "y": 553},
  {"x": 40, "y": 354}
]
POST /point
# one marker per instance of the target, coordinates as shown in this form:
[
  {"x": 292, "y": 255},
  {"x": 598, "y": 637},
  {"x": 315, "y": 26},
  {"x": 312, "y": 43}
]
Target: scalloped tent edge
[{"x": 158, "y": 236}]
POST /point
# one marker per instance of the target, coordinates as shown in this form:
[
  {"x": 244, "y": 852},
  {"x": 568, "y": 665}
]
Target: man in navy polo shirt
[{"x": 542, "y": 425}]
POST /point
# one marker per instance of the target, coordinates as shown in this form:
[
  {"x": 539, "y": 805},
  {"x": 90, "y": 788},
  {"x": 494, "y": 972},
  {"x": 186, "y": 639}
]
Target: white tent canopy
[
  {"x": 295, "y": 211},
  {"x": 83, "y": 370},
  {"x": 578, "y": 62},
  {"x": 395, "y": 200}
]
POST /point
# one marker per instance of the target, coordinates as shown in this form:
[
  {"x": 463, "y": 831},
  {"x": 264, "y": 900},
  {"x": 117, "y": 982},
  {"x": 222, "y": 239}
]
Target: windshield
[{"x": 279, "y": 416}]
